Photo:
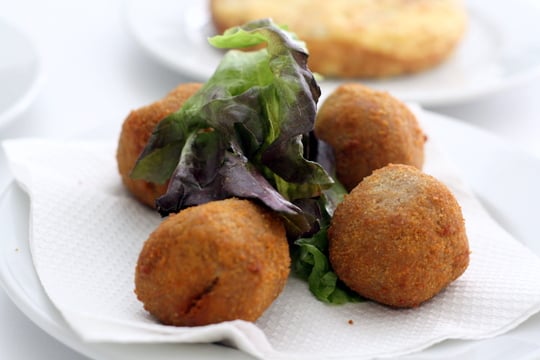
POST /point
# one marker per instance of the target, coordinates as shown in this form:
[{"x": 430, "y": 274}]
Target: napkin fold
[{"x": 87, "y": 231}]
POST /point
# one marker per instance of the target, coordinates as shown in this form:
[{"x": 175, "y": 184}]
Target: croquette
[
  {"x": 399, "y": 237},
  {"x": 136, "y": 130},
  {"x": 368, "y": 129},
  {"x": 220, "y": 261}
]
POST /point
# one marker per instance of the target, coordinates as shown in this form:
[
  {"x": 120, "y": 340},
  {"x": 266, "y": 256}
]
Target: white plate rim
[
  {"x": 432, "y": 96},
  {"x": 51, "y": 322},
  {"x": 34, "y": 87}
]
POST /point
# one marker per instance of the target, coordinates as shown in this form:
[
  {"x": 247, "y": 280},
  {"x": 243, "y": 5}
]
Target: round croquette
[
  {"x": 399, "y": 237},
  {"x": 220, "y": 261},
  {"x": 368, "y": 129},
  {"x": 136, "y": 130}
]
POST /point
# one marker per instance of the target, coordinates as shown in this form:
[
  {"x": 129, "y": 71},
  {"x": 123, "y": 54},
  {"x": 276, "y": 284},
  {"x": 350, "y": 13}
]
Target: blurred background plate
[
  {"x": 500, "y": 49},
  {"x": 20, "y": 72}
]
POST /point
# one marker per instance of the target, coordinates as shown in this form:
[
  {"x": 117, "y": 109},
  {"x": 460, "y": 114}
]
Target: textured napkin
[{"x": 86, "y": 234}]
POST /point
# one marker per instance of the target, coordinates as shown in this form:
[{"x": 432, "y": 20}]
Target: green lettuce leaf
[
  {"x": 248, "y": 133},
  {"x": 310, "y": 257},
  {"x": 245, "y": 133}
]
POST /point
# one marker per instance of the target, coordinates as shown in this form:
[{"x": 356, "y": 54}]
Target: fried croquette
[
  {"x": 136, "y": 130},
  {"x": 399, "y": 237},
  {"x": 368, "y": 129},
  {"x": 220, "y": 261}
]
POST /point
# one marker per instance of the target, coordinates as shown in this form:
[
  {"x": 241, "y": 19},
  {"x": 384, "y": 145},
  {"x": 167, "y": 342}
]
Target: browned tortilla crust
[{"x": 359, "y": 38}]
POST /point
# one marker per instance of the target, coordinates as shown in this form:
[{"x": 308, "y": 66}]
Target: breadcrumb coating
[
  {"x": 137, "y": 129},
  {"x": 368, "y": 129},
  {"x": 220, "y": 261},
  {"x": 399, "y": 237}
]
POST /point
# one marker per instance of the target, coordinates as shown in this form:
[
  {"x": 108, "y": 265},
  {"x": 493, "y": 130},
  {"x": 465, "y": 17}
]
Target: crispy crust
[
  {"x": 399, "y": 237},
  {"x": 362, "y": 38},
  {"x": 347, "y": 60},
  {"x": 136, "y": 131},
  {"x": 367, "y": 130},
  {"x": 220, "y": 261}
]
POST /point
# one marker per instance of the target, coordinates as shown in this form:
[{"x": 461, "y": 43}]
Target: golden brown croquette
[
  {"x": 367, "y": 130},
  {"x": 220, "y": 261},
  {"x": 399, "y": 237},
  {"x": 136, "y": 130}
]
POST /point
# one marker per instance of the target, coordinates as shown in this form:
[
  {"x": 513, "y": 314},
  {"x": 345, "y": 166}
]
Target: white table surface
[{"x": 95, "y": 73}]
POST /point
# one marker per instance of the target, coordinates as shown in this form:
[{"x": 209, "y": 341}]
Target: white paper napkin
[{"x": 86, "y": 234}]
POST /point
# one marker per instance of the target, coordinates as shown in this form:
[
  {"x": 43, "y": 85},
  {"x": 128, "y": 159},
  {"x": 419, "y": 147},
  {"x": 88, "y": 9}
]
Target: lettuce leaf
[
  {"x": 246, "y": 133},
  {"x": 310, "y": 256},
  {"x": 311, "y": 263}
]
